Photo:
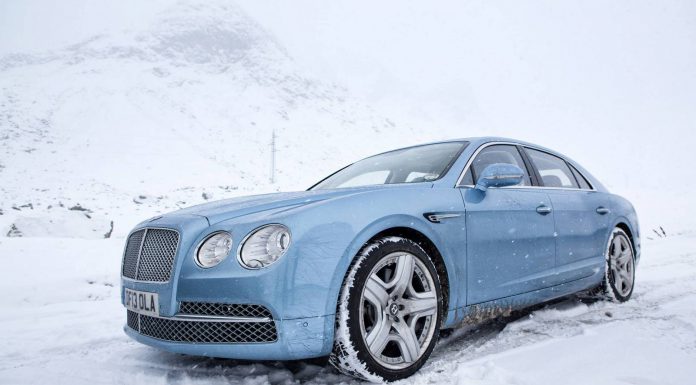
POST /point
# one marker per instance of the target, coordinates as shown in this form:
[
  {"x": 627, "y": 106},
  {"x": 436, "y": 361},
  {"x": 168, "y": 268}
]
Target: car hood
[{"x": 226, "y": 209}]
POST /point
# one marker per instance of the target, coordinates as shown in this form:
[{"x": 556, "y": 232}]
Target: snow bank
[{"x": 61, "y": 222}]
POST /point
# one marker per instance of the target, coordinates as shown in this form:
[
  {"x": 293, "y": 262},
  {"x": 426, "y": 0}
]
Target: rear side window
[
  {"x": 584, "y": 184},
  {"x": 499, "y": 153},
  {"x": 553, "y": 170}
]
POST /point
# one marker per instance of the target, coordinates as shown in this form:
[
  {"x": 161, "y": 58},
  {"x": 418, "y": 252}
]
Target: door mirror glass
[{"x": 499, "y": 175}]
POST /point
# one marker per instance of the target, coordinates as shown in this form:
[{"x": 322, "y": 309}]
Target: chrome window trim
[
  {"x": 532, "y": 187},
  {"x": 176, "y": 252},
  {"x": 488, "y": 144}
]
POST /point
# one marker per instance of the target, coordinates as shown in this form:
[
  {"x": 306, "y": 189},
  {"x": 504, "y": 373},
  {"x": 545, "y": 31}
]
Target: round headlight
[
  {"x": 264, "y": 246},
  {"x": 216, "y": 248}
]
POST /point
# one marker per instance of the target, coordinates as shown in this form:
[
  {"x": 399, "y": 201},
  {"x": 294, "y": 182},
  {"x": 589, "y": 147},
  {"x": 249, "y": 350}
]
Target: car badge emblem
[{"x": 393, "y": 309}]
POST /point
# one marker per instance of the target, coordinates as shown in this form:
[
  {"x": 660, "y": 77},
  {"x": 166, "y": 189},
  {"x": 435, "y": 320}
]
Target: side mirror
[{"x": 499, "y": 175}]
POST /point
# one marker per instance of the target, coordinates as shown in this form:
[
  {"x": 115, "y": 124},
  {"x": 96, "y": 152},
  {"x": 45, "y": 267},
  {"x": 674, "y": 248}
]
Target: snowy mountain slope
[
  {"x": 74, "y": 336},
  {"x": 187, "y": 101}
]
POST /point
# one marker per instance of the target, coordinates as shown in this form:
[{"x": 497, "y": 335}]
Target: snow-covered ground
[{"x": 62, "y": 324}]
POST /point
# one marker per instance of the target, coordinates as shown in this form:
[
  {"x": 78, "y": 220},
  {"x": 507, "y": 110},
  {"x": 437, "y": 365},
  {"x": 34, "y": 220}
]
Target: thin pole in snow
[{"x": 273, "y": 152}]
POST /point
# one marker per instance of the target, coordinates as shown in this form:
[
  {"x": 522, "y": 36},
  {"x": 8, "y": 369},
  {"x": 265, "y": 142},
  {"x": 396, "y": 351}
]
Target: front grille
[
  {"x": 149, "y": 255},
  {"x": 227, "y": 310},
  {"x": 130, "y": 256},
  {"x": 176, "y": 330}
]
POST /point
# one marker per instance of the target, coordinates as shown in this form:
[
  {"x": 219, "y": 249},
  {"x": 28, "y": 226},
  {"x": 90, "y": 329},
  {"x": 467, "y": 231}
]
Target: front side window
[
  {"x": 553, "y": 170},
  {"x": 499, "y": 153},
  {"x": 409, "y": 165}
]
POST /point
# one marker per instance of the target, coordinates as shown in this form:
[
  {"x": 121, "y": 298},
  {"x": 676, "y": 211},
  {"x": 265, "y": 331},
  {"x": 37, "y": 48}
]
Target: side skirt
[{"x": 477, "y": 313}]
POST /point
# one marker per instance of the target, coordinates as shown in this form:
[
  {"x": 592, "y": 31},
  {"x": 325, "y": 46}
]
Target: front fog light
[
  {"x": 214, "y": 250},
  {"x": 264, "y": 246}
]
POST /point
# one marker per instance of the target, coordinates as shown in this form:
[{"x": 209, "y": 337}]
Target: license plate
[{"x": 142, "y": 302}]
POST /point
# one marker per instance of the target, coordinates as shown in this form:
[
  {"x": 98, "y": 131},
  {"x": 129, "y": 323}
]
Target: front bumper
[{"x": 299, "y": 293}]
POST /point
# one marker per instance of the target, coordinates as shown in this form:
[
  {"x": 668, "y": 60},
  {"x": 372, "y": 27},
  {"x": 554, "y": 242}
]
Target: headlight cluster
[
  {"x": 261, "y": 248},
  {"x": 265, "y": 246},
  {"x": 215, "y": 249}
]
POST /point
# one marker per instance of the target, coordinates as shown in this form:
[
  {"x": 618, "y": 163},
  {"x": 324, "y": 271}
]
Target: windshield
[{"x": 410, "y": 165}]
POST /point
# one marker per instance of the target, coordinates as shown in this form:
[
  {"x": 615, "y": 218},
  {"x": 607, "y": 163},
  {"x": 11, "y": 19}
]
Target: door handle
[
  {"x": 543, "y": 209},
  {"x": 601, "y": 210}
]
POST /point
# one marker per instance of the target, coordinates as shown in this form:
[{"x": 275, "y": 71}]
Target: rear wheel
[
  {"x": 620, "y": 274},
  {"x": 389, "y": 312}
]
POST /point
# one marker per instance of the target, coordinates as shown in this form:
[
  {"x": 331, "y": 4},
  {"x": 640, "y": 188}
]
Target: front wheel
[
  {"x": 389, "y": 312},
  {"x": 620, "y": 274}
]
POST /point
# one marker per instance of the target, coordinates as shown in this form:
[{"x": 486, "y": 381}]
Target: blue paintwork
[
  {"x": 511, "y": 248},
  {"x": 500, "y": 253}
]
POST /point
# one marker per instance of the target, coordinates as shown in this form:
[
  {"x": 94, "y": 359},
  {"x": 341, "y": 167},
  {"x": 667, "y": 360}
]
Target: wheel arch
[
  {"x": 405, "y": 226},
  {"x": 624, "y": 225},
  {"x": 430, "y": 248}
]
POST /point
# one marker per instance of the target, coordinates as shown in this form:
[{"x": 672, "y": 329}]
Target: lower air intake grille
[
  {"x": 204, "y": 331},
  {"x": 132, "y": 320}
]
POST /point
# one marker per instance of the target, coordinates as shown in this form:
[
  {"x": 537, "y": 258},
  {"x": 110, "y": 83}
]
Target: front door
[
  {"x": 510, "y": 246},
  {"x": 510, "y": 233}
]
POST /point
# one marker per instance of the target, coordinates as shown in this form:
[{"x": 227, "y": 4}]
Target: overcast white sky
[{"x": 582, "y": 76}]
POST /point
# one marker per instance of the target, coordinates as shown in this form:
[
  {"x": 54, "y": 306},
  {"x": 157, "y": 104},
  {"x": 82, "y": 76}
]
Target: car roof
[
  {"x": 476, "y": 141},
  {"x": 488, "y": 139}
]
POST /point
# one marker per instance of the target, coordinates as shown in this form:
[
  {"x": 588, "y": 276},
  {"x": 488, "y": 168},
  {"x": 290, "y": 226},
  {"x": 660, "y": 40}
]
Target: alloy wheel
[
  {"x": 398, "y": 316},
  {"x": 621, "y": 264}
]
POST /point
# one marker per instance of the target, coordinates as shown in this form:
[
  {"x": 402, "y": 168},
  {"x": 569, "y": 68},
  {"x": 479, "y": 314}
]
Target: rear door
[
  {"x": 579, "y": 213},
  {"x": 510, "y": 232}
]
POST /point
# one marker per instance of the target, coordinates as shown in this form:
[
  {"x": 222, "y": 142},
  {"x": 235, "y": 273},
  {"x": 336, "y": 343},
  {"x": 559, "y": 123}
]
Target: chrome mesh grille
[
  {"x": 132, "y": 320},
  {"x": 228, "y": 310},
  {"x": 205, "y": 331},
  {"x": 149, "y": 255},
  {"x": 157, "y": 255},
  {"x": 130, "y": 256}
]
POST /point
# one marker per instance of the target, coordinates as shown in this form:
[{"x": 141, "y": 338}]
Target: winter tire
[
  {"x": 389, "y": 312},
  {"x": 620, "y": 272}
]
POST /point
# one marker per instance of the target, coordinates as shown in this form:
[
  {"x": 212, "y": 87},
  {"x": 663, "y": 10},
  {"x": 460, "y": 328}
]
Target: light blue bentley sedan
[{"x": 369, "y": 264}]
